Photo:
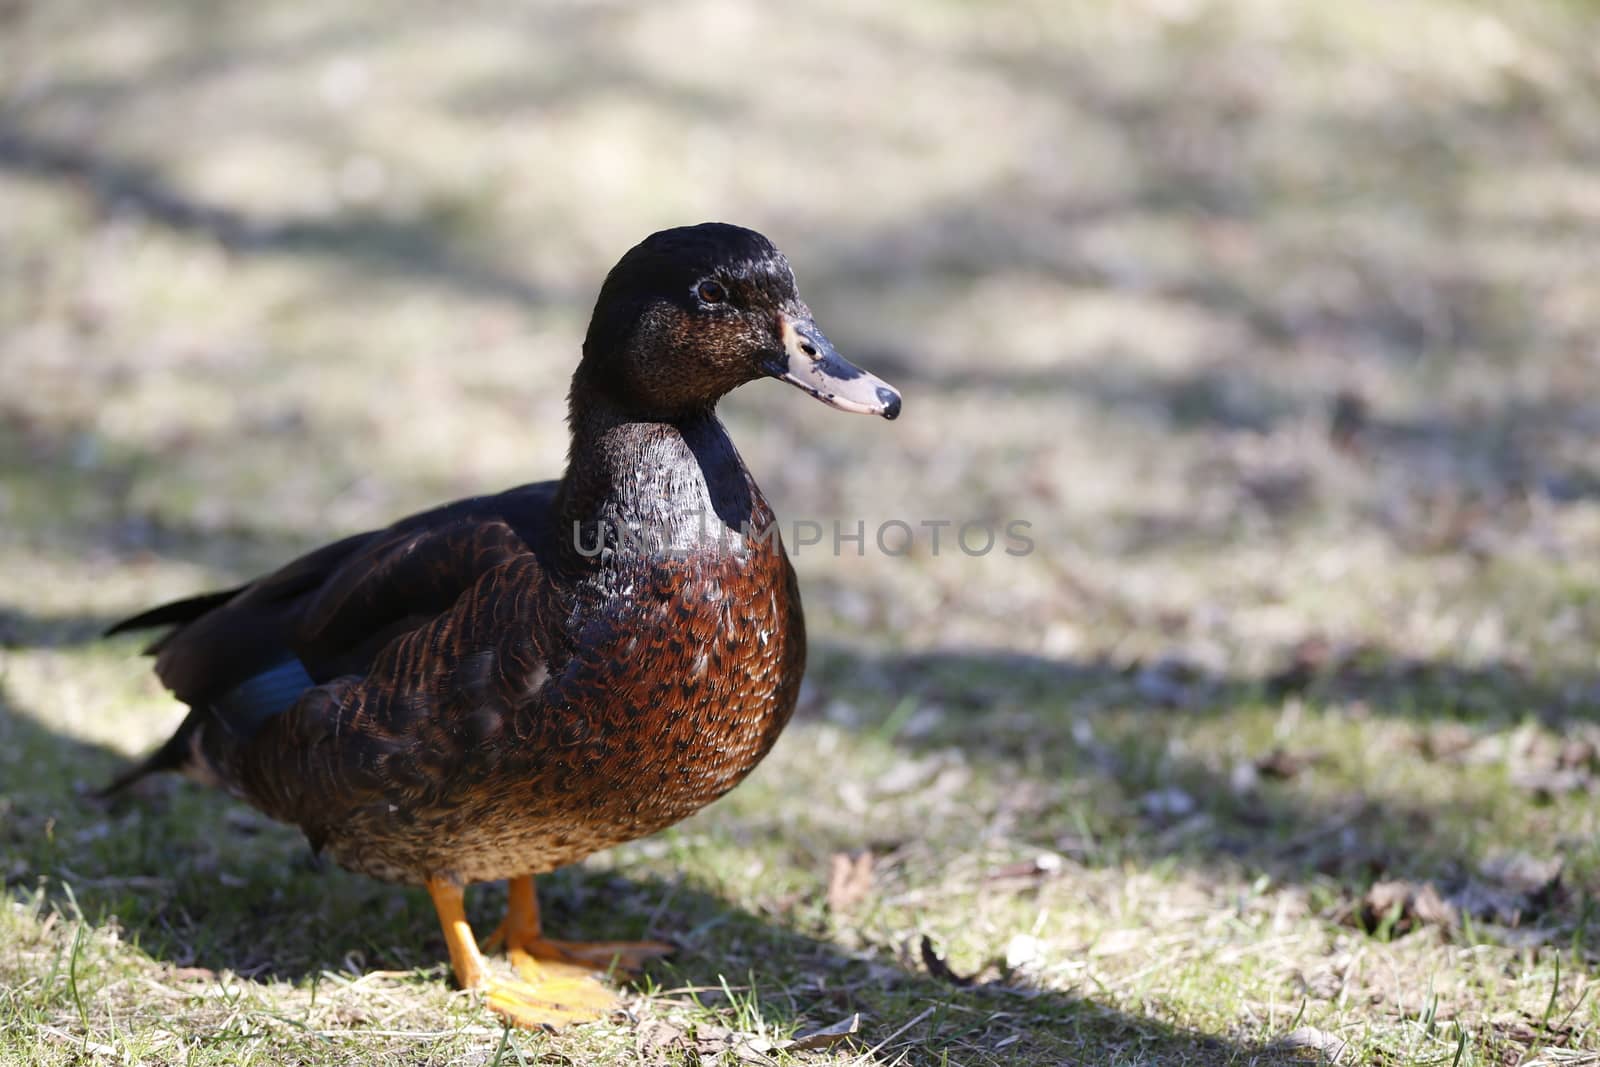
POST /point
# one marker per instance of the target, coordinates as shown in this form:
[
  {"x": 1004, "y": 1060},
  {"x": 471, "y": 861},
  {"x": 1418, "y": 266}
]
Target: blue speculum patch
[{"x": 246, "y": 707}]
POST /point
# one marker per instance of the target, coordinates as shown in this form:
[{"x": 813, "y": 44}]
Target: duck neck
[{"x": 634, "y": 486}]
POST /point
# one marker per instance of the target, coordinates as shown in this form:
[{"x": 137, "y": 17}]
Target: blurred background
[{"x": 1278, "y": 322}]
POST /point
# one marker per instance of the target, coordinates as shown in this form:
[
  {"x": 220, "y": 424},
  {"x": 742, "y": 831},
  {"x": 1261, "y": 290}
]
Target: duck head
[{"x": 694, "y": 312}]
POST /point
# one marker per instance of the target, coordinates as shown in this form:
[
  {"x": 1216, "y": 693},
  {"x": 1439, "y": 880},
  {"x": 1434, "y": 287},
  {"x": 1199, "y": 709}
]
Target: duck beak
[{"x": 810, "y": 362}]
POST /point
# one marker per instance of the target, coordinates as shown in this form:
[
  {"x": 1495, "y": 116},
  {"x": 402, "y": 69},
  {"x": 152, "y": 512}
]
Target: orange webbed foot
[
  {"x": 549, "y": 1003},
  {"x": 621, "y": 957},
  {"x": 550, "y": 995},
  {"x": 536, "y": 955}
]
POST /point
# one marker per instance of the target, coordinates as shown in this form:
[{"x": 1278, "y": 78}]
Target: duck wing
[{"x": 243, "y": 656}]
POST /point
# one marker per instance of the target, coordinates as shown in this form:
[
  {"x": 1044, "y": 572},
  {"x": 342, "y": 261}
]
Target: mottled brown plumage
[{"x": 506, "y": 684}]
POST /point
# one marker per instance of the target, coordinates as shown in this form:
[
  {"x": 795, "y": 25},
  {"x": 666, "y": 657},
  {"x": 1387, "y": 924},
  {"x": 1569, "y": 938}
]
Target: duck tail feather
[
  {"x": 186, "y": 610},
  {"x": 171, "y": 756}
]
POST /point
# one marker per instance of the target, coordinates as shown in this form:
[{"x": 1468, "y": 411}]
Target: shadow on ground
[
  {"x": 232, "y": 892},
  {"x": 72, "y": 491},
  {"x": 381, "y": 247},
  {"x": 1106, "y": 739}
]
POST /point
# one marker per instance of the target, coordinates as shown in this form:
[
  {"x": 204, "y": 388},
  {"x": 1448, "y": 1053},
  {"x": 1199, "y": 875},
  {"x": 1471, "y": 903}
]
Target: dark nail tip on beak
[{"x": 890, "y": 401}]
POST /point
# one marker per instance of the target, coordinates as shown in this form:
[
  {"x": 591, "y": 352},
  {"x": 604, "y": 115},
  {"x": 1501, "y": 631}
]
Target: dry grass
[{"x": 1277, "y": 321}]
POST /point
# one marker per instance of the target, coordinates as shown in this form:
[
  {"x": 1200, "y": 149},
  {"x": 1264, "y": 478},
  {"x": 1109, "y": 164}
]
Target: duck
[{"x": 504, "y": 685}]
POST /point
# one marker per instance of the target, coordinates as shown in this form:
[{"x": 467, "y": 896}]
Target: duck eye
[{"x": 711, "y": 291}]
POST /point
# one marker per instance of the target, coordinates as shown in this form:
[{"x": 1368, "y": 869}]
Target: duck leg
[
  {"x": 534, "y": 954},
  {"x": 548, "y": 998}
]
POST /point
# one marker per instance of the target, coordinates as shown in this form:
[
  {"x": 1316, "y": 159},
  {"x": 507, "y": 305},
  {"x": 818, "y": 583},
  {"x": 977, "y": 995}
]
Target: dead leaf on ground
[
  {"x": 1527, "y": 1030},
  {"x": 1448, "y": 742},
  {"x": 1026, "y": 873},
  {"x": 1511, "y": 889},
  {"x": 93, "y": 1047},
  {"x": 825, "y": 1036},
  {"x": 1579, "y": 753},
  {"x": 1549, "y": 765},
  {"x": 1326, "y": 1047},
  {"x": 712, "y": 1041},
  {"x": 849, "y": 880},
  {"x": 940, "y": 774},
  {"x": 1548, "y": 783},
  {"x": 1508, "y": 891},
  {"x": 655, "y": 1037},
  {"x": 1524, "y": 873},
  {"x": 1282, "y": 764},
  {"x": 1399, "y": 907},
  {"x": 784, "y": 904},
  {"x": 1308, "y": 660},
  {"x": 188, "y": 974}
]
